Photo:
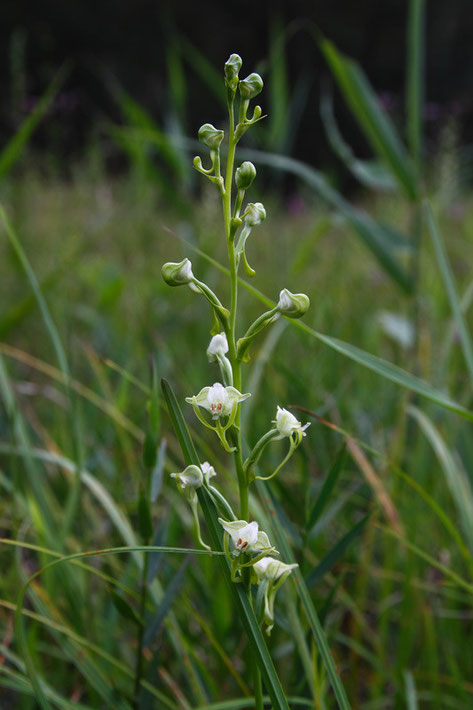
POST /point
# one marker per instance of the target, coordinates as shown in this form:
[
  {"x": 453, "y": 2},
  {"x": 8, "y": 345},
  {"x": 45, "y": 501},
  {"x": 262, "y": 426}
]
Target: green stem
[{"x": 236, "y": 365}]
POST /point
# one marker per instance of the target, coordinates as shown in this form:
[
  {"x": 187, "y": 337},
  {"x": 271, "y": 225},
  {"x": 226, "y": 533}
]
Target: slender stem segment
[{"x": 236, "y": 364}]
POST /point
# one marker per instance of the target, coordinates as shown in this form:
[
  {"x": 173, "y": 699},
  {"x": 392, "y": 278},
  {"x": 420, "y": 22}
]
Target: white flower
[
  {"x": 272, "y": 574},
  {"x": 218, "y": 400},
  {"x": 188, "y": 481},
  {"x": 271, "y": 569},
  {"x": 208, "y": 471},
  {"x": 293, "y": 305},
  {"x": 245, "y": 536},
  {"x": 217, "y": 346},
  {"x": 255, "y": 213},
  {"x": 287, "y": 424},
  {"x": 191, "y": 477}
]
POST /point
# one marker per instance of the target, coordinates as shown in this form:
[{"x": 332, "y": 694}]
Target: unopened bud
[
  {"x": 177, "y": 274},
  {"x": 232, "y": 66},
  {"x": 293, "y": 305},
  {"x": 245, "y": 175},
  {"x": 254, "y": 213},
  {"x": 210, "y": 136},
  {"x": 218, "y": 346},
  {"x": 251, "y": 86}
]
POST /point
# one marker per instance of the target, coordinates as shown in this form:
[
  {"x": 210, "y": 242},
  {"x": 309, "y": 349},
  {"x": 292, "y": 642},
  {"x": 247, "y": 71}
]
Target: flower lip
[{"x": 246, "y": 537}]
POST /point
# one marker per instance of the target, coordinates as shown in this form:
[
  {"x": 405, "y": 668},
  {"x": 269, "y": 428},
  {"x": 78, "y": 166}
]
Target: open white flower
[
  {"x": 220, "y": 401},
  {"x": 217, "y": 346},
  {"x": 272, "y": 574},
  {"x": 287, "y": 424},
  {"x": 245, "y": 536}
]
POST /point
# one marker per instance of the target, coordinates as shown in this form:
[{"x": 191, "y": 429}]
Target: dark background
[{"x": 129, "y": 40}]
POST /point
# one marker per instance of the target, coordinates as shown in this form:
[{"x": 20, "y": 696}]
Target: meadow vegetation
[{"x": 376, "y": 506}]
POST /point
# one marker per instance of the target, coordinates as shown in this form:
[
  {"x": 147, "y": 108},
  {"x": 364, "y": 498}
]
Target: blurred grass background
[{"x": 393, "y": 590}]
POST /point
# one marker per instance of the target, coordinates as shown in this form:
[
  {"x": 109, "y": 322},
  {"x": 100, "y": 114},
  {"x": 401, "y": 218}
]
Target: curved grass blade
[
  {"x": 19, "y": 625},
  {"x": 303, "y": 592},
  {"x": 457, "y": 482},
  {"x": 368, "y": 173},
  {"x": 375, "y": 124},
  {"x": 446, "y": 571},
  {"x": 326, "y": 489},
  {"x": 384, "y": 244},
  {"x": 449, "y": 283},
  {"x": 237, "y": 592},
  {"x": 371, "y": 362},
  {"x": 73, "y": 495}
]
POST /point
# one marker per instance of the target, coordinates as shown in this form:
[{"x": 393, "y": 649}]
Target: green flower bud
[
  {"x": 254, "y": 213},
  {"x": 232, "y": 66},
  {"x": 177, "y": 274},
  {"x": 210, "y": 136},
  {"x": 251, "y": 86},
  {"x": 293, "y": 305},
  {"x": 245, "y": 175}
]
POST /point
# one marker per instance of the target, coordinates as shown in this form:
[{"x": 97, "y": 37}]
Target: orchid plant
[{"x": 217, "y": 406}]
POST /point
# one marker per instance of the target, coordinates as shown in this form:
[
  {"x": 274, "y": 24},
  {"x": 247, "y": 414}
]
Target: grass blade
[
  {"x": 12, "y": 151},
  {"x": 368, "y": 173},
  {"x": 381, "y": 367},
  {"x": 415, "y": 78},
  {"x": 241, "y": 601},
  {"x": 19, "y": 624},
  {"x": 375, "y": 124},
  {"x": 327, "y": 488},
  {"x": 449, "y": 283},
  {"x": 386, "y": 245},
  {"x": 332, "y": 557},
  {"x": 303, "y": 592},
  {"x": 152, "y": 624},
  {"x": 457, "y": 481}
]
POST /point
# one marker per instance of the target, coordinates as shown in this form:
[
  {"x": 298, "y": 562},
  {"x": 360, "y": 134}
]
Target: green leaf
[
  {"x": 375, "y": 124},
  {"x": 457, "y": 480},
  {"x": 372, "y": 362},
  {"x": 154, "y": 621},
  {"x": 337, "y": 551},
  {"x": 388, "y": 371},
  {"x": 124, "y": 608},
  {"x": 368, "y": 173},
  {"x": 306, "y": 601},
  {"x": 150, "y": 450},
  {"x": 240, "y": 599},
  {"x": 145, "y": 522},
  {"x": 387, "y": 245},
  {"x": 449, "y": 283},
  {"x": 326, "y": 490}
]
